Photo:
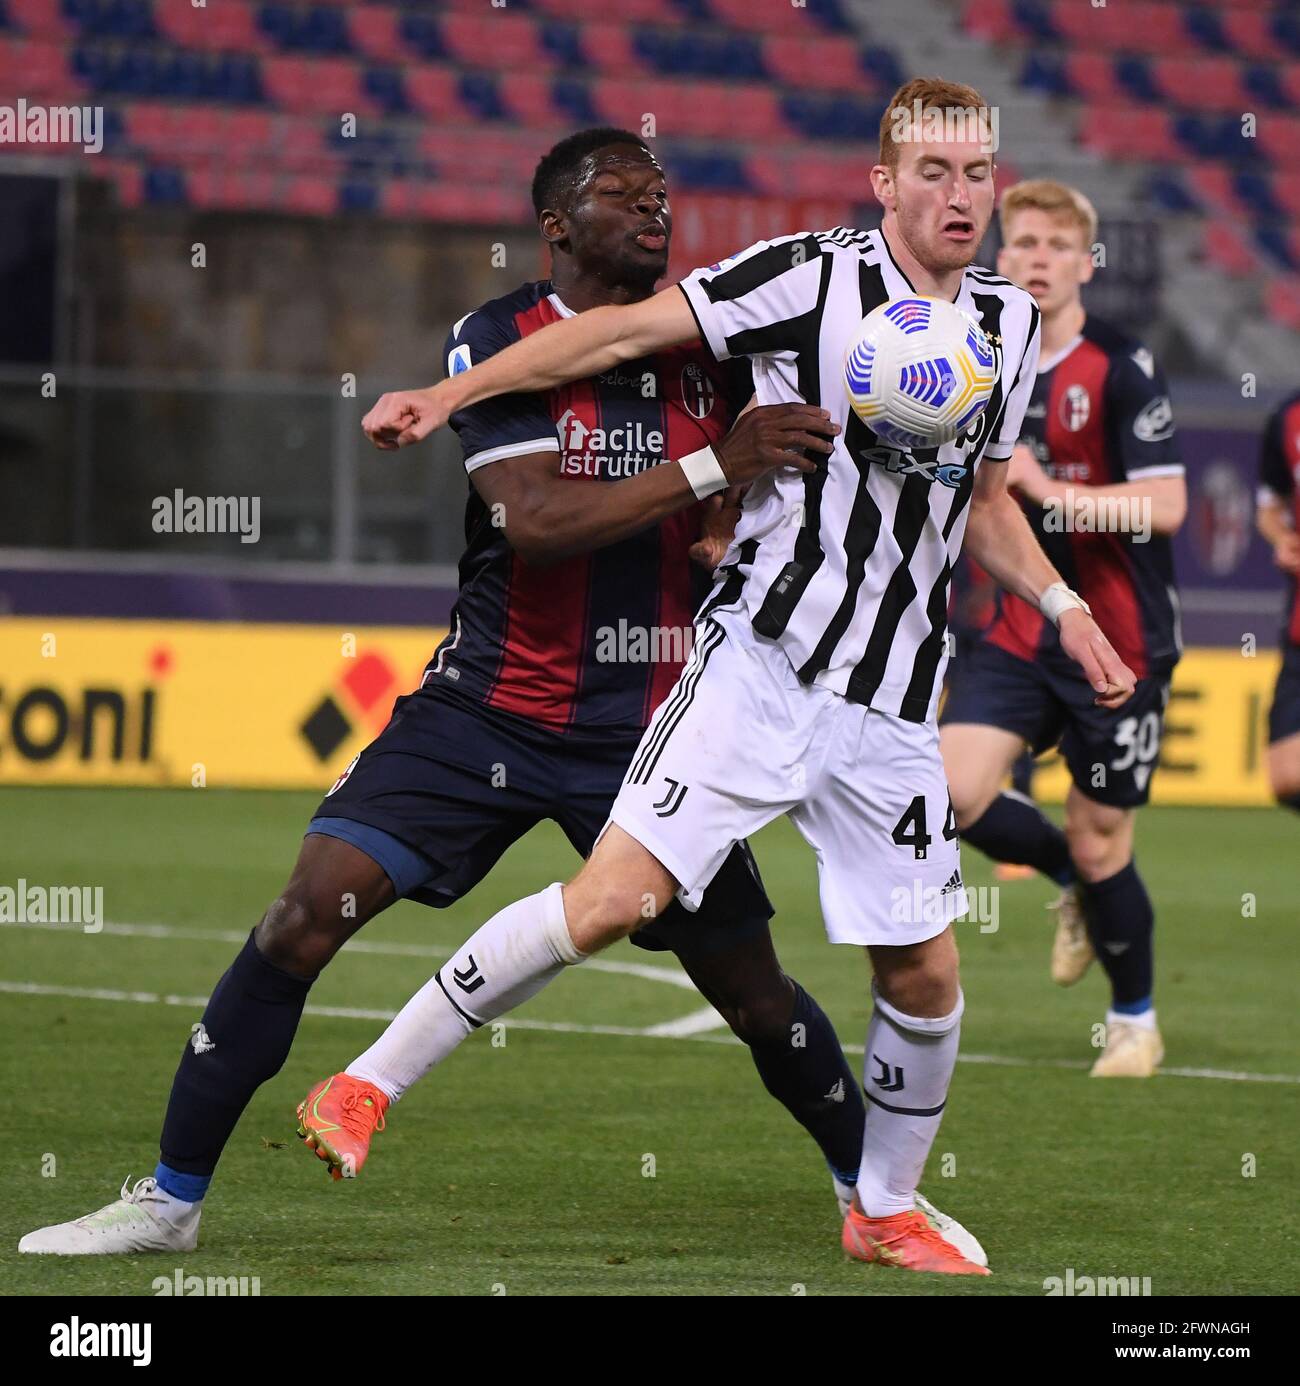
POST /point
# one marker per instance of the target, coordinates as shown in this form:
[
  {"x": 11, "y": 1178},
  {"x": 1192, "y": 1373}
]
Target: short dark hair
[{"x": 558, "y": 166}]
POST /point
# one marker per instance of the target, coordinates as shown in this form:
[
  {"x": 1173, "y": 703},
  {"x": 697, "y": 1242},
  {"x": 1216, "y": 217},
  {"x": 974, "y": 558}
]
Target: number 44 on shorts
[{"x": 910, "y": 830}]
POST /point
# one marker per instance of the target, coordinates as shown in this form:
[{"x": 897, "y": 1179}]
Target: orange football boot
[
  {"x": 906, "y": 1240},
  {"x": 337, "y": 1119}
]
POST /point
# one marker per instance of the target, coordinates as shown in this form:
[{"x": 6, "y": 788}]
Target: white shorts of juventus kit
[{"x": 741, "y": 740}]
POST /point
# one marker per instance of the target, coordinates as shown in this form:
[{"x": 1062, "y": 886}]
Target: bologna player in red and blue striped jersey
[
  {"x": 1099, "y": 476},
  {"x": 1278, "y": 518}
]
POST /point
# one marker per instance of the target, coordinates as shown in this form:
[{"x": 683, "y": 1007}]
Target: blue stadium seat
[
  {"x": 1168, "y": 192},
  {"x": 384, "y": 85},
  {"x": 883, "y": 65},
  {"x": 712, "y": 171},
  {"x": 830, "y": 15},
  {"x": 165, "y": 184},
  {"x": 1261, "y": 80},
  {"x": 235, "y": 78},
  {"x": 324, "y": 31},
  {"x": 1134, "y": 74},
  {"x": 574, "y": 99},
  {"x": 1045, "y": 72},
  {"x": 185, "y": 77},
  {"x": 1205, "y": 26},
  {"x": 1256, "y": 191},
  {"x": 831, "y": 117},
  {"x": 1274, "y": 241},
  {"x": 480, "y": 94},
  {"x": 358, "y": 197},
  {"x": 421, "y": 32},
  {"x": 563, "y": 42},
  {"x": 1286, "y": 28},
  {"x": 1035, "y": 18}
]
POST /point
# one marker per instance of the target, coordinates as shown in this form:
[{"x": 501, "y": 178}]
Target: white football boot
[
  {"x": 1132, "y": 1051},
  {"x": 947, "y": 1227},
  {"x": 1072, "y": 953},
  {"x": 143, "y": 1219}
]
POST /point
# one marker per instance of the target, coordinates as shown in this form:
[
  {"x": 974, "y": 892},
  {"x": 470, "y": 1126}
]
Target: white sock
[
  {"x": 907, "y": 1069},
  {"x": 1144, "y": 1020},
  {"x": 511, "y": 958}
]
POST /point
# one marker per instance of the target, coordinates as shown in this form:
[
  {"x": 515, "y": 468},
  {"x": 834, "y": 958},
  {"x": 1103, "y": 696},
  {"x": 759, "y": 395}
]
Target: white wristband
[
  {"x": 704, "y": 472},
  {"x": 1058, "y": 598}
]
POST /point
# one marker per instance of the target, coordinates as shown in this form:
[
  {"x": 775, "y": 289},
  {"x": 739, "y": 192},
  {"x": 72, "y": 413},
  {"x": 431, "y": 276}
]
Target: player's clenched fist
[
  {"x": 776, "y": 435},
  {"x": 405, "y": 416}
]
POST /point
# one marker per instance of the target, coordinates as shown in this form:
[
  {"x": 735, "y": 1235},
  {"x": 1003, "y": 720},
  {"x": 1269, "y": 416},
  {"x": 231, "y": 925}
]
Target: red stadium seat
[
  {"x": 1092, "y": 75},
  {"x": 1286, "y": 193},
  {"x": 1282, "y": 301},
  {"x": 756, "y": 111},
  {"x": 494, "y": 40},
  {"x": 609, "y": 47},
  {"x": 528, "y": 95},
  {"x": 825, "y": 64},
  {"x": 1212, "y": 184},
  {"x": 1279, "y": 138},
  {"x": 629, "y": 12},
  {"x": 993, "y": 21},
  {"x": 1229, "y": 249},
  {"x": 1152, "y": 27},
  {"x": 763, "y": 19},
  {"x": 40, "y": 18},
  {"x": 1208, "y": 84},
  {"x": 1134, "y": 132},
  {"x": 35, "y": 68},
  {"x": 325, "y": 85},
  {"x": 310, "y": 195},
  {"x": 376, "y": 32},
  {"x": 229, "y": 26},
  {"x": 1249, "y": 33},
  {"x": 433, "y": 91}
]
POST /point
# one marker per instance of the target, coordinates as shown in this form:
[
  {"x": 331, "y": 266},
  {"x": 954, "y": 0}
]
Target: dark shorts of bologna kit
[
  {"x": 448, "y": 786},
  {"x": 1047, "y": 706}
]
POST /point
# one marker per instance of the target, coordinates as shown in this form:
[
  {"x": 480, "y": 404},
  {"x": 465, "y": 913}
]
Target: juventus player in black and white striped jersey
[{"x": 811, "y": 690}]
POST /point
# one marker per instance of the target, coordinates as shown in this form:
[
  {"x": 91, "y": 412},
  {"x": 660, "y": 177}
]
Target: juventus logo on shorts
[{"x": 671, "y": 801}]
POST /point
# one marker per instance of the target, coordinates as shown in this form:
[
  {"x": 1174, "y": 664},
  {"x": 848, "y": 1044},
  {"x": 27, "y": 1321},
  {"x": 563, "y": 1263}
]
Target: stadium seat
[
  {"x": 498, "y": 40},
  {"x": 991, "y": 20},
  {"x": 1209, "y": 84},
  {"x": 826, "y": 63},
  {"x": 376, "y": 32},
  {"x": 38, "y": 18},
  {"x": 433, "y": 91},
  {"x": 1130, "y": 132},
  {"x": 1228, "y": 249}
]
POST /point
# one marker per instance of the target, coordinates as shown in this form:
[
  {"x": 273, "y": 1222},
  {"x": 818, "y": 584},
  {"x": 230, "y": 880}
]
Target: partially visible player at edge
[
  {"x": 813, "y": 684},
  {"x": 1277, "y": 514},
  {"x": 599, "y": 519},
  {"x": 1098, "y": 440}
]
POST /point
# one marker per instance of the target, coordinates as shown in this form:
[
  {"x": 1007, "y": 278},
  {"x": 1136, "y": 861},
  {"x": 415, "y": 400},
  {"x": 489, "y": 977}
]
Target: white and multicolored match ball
[{"x": 919, "y": 371}]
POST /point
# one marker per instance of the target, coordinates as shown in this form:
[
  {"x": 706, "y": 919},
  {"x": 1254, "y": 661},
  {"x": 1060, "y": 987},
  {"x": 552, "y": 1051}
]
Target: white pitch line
[
  {"x": 355, "y": 945},
  {"x": 663, "y": 1031}
]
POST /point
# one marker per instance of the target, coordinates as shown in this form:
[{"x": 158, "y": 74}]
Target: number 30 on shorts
[
  {"x": 910, "y": 830},
  {"x": 1138, "y": 739}
]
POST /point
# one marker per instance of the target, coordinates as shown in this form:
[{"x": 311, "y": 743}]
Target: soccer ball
[{"x": 919, "y": 371}]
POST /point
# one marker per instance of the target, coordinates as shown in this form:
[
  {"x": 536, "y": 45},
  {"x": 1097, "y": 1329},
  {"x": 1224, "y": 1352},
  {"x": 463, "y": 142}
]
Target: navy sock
[
  {"x": 1121, "y": 925},
  {"x": 1015, "y": 829},
  {"x": 805, "y": 1069},
  {"x": 1292, "y": 801},
  {"x": 242, "y": 1041},
  {"x": 1022, "y": 776}
]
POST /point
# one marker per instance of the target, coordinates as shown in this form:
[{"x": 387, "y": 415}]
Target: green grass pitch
[{"x": 522, "y": 1168}]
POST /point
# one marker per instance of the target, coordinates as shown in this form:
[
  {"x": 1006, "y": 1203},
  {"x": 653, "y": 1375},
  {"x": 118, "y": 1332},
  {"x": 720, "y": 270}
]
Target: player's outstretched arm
[
  {"x": 1000, "y": 540},
  {"x": 548, "y": 517},
  {"x": 572, "y": 349}
]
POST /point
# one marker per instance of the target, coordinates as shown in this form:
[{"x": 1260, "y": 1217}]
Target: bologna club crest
[{"x": 697, "y": 391}]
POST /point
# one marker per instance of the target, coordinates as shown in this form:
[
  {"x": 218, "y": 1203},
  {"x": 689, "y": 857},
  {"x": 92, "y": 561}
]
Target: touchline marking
[{"x": 664, "y": 1031}]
